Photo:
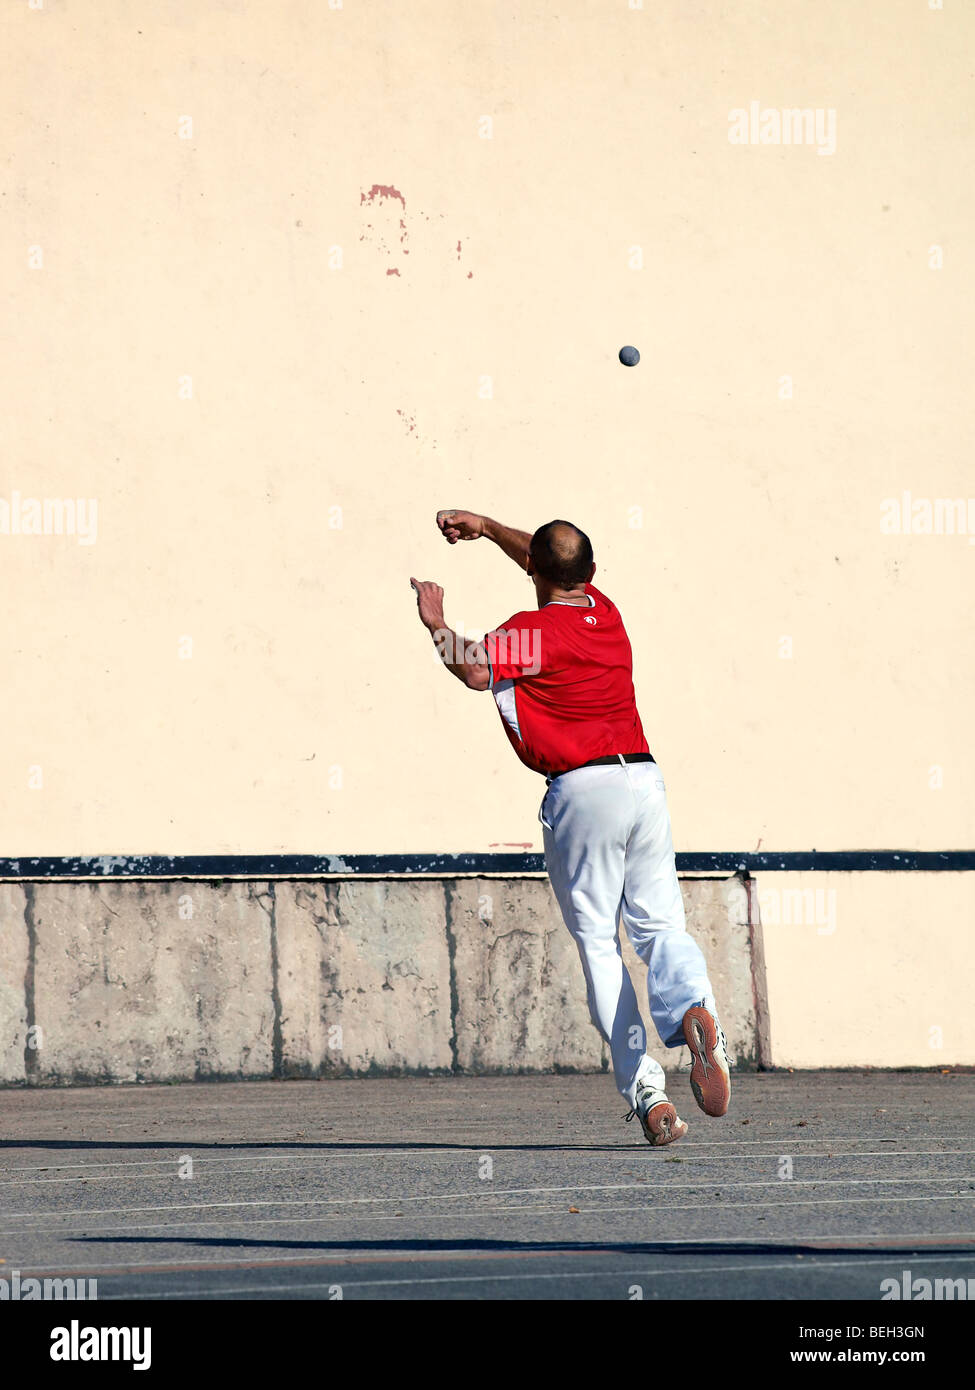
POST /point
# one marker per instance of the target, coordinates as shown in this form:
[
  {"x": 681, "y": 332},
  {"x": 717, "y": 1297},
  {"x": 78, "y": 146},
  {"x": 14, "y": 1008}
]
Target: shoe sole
[
  {"x": 710, "y": 1083},
  {"x": 663, "y": 1125}
]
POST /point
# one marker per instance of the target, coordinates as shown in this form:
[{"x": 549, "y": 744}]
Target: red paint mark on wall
[
  {"x": 382, "y": 190},
  {"x": 510, "y": 844},
  {"x": 391, "y": 229}
]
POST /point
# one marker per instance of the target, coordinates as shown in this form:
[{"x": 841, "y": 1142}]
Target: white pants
[{"x": 609, "y": 855}]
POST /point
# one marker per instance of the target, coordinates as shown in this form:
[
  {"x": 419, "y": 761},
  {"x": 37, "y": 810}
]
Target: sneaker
[
  {"x": 660, "y": 1121},
  {"x": 710, "y": 1076}
]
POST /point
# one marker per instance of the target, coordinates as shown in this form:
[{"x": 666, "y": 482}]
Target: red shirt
[{"x": 562, "y": 677}]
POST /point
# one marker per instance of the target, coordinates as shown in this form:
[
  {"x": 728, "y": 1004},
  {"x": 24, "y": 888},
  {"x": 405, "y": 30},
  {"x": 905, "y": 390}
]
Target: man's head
[{"x": 560, "y": 557}]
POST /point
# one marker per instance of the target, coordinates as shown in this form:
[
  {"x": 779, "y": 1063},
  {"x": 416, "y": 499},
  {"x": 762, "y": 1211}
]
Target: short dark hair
[{"x": 562, "y": 554}]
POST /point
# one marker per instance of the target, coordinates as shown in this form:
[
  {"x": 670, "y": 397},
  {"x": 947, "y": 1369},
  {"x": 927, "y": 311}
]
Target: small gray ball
[{"x": 629, "y": 356}]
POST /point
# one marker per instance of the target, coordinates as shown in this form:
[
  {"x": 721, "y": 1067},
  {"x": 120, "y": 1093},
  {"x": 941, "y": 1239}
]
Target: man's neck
[{"x": 576, "y": 596}]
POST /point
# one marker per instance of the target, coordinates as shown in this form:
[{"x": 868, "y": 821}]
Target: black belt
[{"x": 606, "y": 762}]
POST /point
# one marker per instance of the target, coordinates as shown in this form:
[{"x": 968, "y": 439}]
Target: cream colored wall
[
  {"x": 870, "y": 969},
  {"x": 310, "y": 715}
]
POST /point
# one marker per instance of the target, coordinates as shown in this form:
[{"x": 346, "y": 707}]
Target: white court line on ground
[
  {"x": 602, "y": 1209},
  {"x": 204, "y": 1164},
  {"x": 198, "y": 1174},
  {"x": 715, "y": 1208},
  {"x": 486, "y": 1191},
  {"x": 853, "y": 1262},
  {"x": 620, "y": 1150}
]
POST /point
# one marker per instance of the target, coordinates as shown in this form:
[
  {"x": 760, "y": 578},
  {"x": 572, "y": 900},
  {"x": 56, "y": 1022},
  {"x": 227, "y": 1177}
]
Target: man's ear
[
  {"x": 591, "y": 573},
  {"x": 528, "y": 563}
]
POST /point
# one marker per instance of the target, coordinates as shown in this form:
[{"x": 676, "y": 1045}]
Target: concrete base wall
[{"x": 159, "y": 980}]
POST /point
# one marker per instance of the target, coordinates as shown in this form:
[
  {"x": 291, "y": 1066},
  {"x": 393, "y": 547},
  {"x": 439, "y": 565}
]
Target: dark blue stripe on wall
[{"x": 202, "y": 866}]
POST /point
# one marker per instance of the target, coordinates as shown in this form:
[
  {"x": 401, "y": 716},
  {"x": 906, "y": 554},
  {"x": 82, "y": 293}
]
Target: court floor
[{"x": 816, "y": 1185}]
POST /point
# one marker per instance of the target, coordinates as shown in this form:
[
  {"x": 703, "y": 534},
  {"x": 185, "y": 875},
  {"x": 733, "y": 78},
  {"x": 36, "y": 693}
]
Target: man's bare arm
[
  {"x": 515, "y": 544},
  {"x": 468, "y": 661},
  {"x": 469, "y": 526}
]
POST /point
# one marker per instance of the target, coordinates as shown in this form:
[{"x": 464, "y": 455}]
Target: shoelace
[{"x": 633, "y": 1112}]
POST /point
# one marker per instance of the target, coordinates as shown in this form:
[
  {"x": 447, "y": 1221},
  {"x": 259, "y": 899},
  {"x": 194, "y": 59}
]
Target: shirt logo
[{"x": 591, "y": 621}]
